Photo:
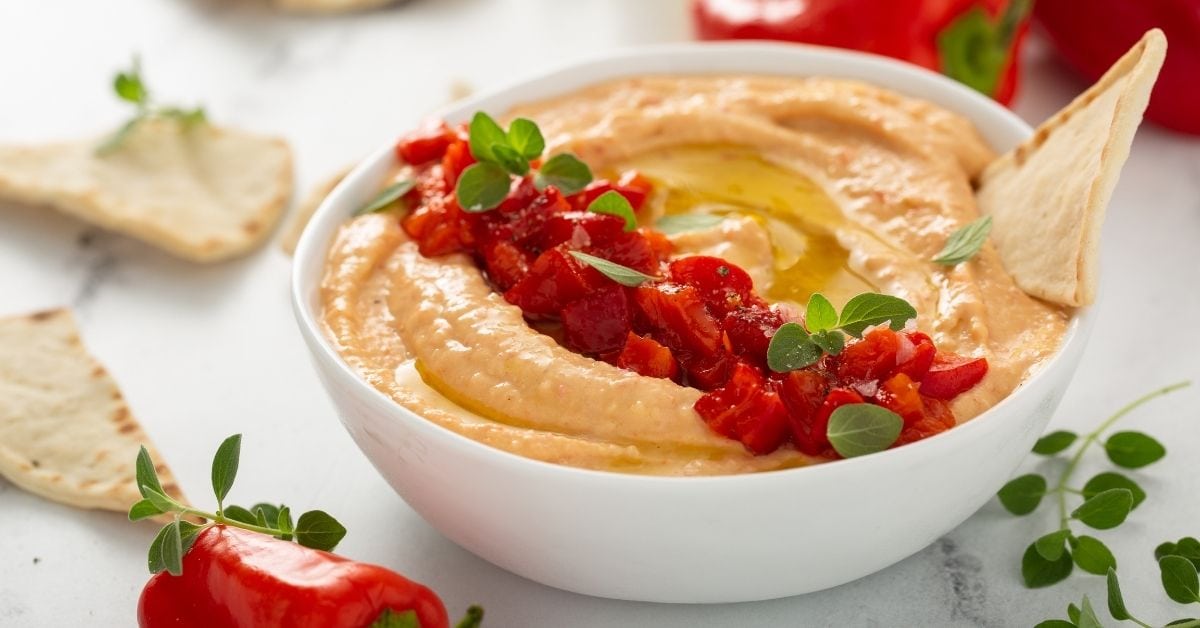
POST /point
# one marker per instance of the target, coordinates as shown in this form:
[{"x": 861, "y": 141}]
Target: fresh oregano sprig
[
  {"x": 314, "y": 529},
  {"x": 500, "y": 155},
  {"x": 964, "y": 243},
  {"x": 130, "y": 87},
  {"x": 1108, "y": 498},
  {"x": 795, "y": 346}
]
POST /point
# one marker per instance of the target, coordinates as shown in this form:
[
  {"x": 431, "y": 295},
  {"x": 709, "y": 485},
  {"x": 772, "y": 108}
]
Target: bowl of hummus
[{"x": 631, "y": 328}]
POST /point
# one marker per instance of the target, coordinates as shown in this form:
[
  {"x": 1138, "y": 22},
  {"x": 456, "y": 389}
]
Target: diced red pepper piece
[
  {"x": 659, "y": 242},
  {"x": 506, "y": 263},
  {"x": 871, "y": 358},
  {"x": 921, "y": 357},
  {"x": 937, "y": 418},
  {"x": 899, "y": 394},
  {"x": 763, "y": 426},
  {"x": 458, "y": 156},
  {"x": 952, "y": 375},
  {"x": 708, "y": 372},
  {"x": 630, "y": 249},
  {"x": 818, "y": 430},
  {"x": 646, "y": 357},
  {"x": 555, "y": 279},
  {"x": 579, "y": 229},
  {"x": 722, "y": 285},
  {"x": 802, "y": 393},
  {"x": 599, "y": 322},
  {"x": 749, "y": 330},
  {"x": 427, "y": 143},
  {"x": 678, "y": 319}
]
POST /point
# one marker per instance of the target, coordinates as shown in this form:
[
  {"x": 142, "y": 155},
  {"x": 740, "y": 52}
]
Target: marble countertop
[{"x": 205, "y": 351}]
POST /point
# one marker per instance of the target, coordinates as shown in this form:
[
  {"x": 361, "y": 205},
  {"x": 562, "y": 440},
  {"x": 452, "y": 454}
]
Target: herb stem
[
  {"x": 222, "y": 520},
  {"x": 1091, "y": 437}
]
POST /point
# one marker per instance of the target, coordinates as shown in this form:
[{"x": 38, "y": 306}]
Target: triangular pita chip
[
  {"x": 1047, "y": 197},
  {"x": 201, "y": 192},
  {"x": 65, "y": 431}
]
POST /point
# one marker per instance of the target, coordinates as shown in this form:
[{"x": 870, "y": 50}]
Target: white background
[{"x": 205, "y": 351}]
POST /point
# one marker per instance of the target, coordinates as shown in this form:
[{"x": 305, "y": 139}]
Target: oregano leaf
[
  {"x": 858, "y": 429},
  {"x": 1021, "y": 495}
]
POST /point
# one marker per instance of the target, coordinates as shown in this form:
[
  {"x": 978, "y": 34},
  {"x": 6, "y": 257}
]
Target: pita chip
[
  {"x": 200, "y": 192},
  {"x": 66, "y": 433},
  {"x": 1047, "y": 197}
]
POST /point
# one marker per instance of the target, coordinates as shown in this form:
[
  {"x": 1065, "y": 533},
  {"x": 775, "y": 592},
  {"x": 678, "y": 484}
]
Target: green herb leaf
[
  {"x": 858, "y": 429},
  {"x": 869, "y": 309},
  {"x": 964, "y": 243},
  {"x": 155, "y": 559},
  {"x": 225, "y": 466},
  {"x": 1092, "y": 555},
  {"x": 526, "y": 138},
  {"x": 621, "y": 274},
  {"x": 473, "y": 618},
  {"x": 614, "y": 203},
  {"x": 1022, "y": 495},
  {"x": 1187, "y": 622},
  {"x": 1179, "y": 579},
  {"x": 386, "y": 197},
  {"x": 1165, "y": 549},
  {"x": 160, "y": 501},
  {"x": 510, "y": 159},
  {"x": 147, "y": 476},
  {"x": 1054, "y": 623},
  {"x": 1133, "y": 450},
  {"x": 269, "y": 512},
  {"x": 484, "y": 133},
  {"x": 820, "y": 314},
  {"x": 565, "y": 172},
  {"x": 172, "y": 548},
  {"x": 129, "y": 86},
  {"x": 186, "y": 117},
  {"x": 143, "y": 509},
  {"x": 1188, "y": 548},
  {"x": 283, "y": 523},
  {"x": 1051, "y": 546},
  {"x": 791, "y": 348},
  {"x": 830, "y": 341},
  {"x": 1073, "y": 613},
  {"x": 682, "y": 223},
  {"x": 482, "y": 186},
  {"x": 396, "y": 619},
  {"x": 318, "y": 530},
  {"x": 1106, "y": 510},
  {"x": 1039, "y": 572},
  {"x": 237, "y": 513},
  {"x": 114, "y": 141},
  {"x": 1087, "y": 615},
  {"x": 1054, "y": 442},
  {"x": 188, "y": 532},
  {"x": 1116, "y": 601},
  {"x": 1109, "y": 480}
]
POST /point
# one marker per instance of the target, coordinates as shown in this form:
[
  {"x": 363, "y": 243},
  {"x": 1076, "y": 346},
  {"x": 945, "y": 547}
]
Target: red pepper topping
[{"x": 695, "y": 320}]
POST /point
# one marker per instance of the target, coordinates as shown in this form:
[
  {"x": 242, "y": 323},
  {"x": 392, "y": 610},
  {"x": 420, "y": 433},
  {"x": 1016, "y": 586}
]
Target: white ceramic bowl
[{"x": 664, "y": 539}]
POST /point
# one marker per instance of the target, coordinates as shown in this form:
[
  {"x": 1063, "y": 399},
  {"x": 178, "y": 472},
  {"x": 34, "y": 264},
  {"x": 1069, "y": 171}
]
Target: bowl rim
[{"x": 306, "y": 271}]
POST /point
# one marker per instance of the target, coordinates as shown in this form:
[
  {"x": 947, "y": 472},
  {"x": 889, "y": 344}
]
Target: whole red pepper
[
  {"x": 973, "y": 41},
  {"x": 240, "y": 579},
  {"x": 1093, "y": 38}
]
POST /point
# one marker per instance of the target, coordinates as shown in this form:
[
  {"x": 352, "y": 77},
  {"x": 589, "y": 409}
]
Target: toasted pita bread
[
  {"x": 302, "y": 214},
  {"x": 329, "y": 6},
  {"x": 1047, "y": 197},
  {"x": 201, "y": 192},
  {"x": 65, "y": 431}
]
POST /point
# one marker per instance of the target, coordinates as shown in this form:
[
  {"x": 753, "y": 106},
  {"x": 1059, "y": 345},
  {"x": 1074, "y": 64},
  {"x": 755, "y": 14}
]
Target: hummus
[{"x": 827, "y": 185}]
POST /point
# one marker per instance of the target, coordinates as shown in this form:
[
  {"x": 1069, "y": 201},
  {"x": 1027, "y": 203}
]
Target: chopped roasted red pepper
[
  {"x": 697, "y": 320},
  {"x": 952, "y": 375}
]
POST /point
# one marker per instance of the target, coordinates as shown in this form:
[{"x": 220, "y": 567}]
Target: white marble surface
[{"x": 205, "y": 351}]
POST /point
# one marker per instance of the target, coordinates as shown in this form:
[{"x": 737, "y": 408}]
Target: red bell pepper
[
  {"x": 1092, "y": 37},
  {"x": 973, "y": 41},
  {"x": 238, "y": 578}
]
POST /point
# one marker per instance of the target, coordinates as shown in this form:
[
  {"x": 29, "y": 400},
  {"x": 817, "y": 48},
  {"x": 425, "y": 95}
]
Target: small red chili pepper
[
  {"x": 237, "y": 578},
  {"x": 973, "y": 41}
]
